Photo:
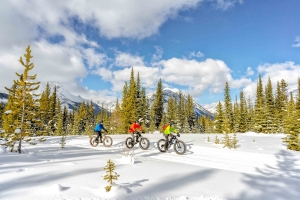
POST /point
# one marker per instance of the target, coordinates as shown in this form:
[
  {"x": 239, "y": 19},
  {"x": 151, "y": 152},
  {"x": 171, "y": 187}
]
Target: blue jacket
[{"x": 99, "y": 127}]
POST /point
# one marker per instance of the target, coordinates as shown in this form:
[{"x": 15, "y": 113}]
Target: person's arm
[{"x": 174, "y": 130}]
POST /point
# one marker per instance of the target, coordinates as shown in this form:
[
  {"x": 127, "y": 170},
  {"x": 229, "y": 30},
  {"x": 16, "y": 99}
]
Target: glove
[{"x": 178, "y": 135}]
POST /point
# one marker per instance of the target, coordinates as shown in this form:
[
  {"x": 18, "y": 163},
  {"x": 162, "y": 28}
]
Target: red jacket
[{"x": 134, "y": 126}]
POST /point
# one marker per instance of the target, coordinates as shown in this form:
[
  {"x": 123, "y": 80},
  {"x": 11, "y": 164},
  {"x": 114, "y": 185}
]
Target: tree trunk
[{"x": 22, "y": 120}]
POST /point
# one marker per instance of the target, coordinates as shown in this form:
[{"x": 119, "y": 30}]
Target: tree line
[{"x": 27, "y": 114}]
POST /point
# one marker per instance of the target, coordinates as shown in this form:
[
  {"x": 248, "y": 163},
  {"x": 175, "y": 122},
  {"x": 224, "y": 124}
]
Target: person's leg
[
  {"x": 167, "y": 141},
  {"x": 100, "y": 133}
]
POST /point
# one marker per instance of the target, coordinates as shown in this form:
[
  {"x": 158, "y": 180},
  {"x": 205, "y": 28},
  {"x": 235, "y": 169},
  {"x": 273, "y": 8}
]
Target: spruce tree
[
  {"x": 82, "y": 113},
  {"x": 9, "y": 119},
  {"x": 236, "y": 115},
  {"x": 228, "y": 113},
  {"x": 202, "y": 124},
  {"x": 45, "y": 106},
  {"x": 1, "y": 113},
  {"x": 125, "y": 109},
  {"x": 25, "y": 108},
  {"x": 243, "y": 113},
  {"x": 132, "y": 100},
  {"x": 219, "y": 118},
  {"x": 259, "y": 106},
  {"x": 158, "y": 106}
]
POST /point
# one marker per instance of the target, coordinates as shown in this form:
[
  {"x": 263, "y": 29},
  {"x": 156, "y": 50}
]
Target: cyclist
[
  {"x": 134, "y": 126},
  {"x": 98, "y": 129},
  {"x": 168, "y": 132}
]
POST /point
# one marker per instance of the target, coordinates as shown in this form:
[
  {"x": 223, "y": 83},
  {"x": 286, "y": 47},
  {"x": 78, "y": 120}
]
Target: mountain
[
  {"x": 3, "y": 98},
  {"x": 168, "y": 92},
  {"x": 66, "y": 98}
]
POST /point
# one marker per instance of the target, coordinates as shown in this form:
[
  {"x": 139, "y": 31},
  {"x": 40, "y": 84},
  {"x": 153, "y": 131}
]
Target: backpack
[{"x": 165, "y": 126}]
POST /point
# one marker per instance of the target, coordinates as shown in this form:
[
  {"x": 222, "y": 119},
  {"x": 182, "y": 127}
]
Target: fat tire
[
  {"x": 128, "y": 143},
  {"x": 182, "y": 144},
  {"x": 107, "y": 141},
  {"x": 146, "y": 141},
  {"x": 159, "y": 145},
  {"x": 93, "y": 143}
]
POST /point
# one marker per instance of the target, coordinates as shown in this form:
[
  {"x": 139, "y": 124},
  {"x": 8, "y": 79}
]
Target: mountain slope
[
  {"x": 168, "y": 92},
  {"x": 66, "y": 98}
]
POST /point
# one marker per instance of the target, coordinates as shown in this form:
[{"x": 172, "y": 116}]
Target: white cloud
[
  {"x": 127, "y": 60},
  {"x": 104, "y": 73},
  {"x": 94, "y": 59},
  {"x": 158, "y": 54},
  {"x": 297, "y": 40},
  {"x": 114, "y": 19},
  {"x": 226, "y": 4},
  {"x": 289, "y": 71},
  {"x": 199, "y": 76},
  {"x": 196, "y": 54},
  {"x": 148, "y": 77},
  {"x": 250, "y": 72}
]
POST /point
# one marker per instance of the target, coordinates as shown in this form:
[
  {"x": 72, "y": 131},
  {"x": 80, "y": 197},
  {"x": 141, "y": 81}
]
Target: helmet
[
  {"x": 172, "y": 123},
  {"x": 101, "y": 122}
]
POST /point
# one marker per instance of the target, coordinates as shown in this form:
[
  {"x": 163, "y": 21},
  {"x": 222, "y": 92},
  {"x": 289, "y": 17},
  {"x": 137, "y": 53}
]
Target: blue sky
[{"x": 196, "y": 46}]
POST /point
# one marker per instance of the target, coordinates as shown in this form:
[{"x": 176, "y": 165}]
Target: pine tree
[
  {"x": 82, "y": 113},
  {"x": 190, "y": 113},
  {"x": 76, "y": 123},
  {"x": 202, "y": 123},
  {"x": 243, "y": 113},
  {"x": 259, "y": 107},
  {"x": 125, "y": 109},
  {"x": 132, "y": 99},
  {"x": 59, "y": 127},
  {"x": 116, "y": 121},
  {"x": 228, "y": 113},
  {"x": 250, "y": 114},
  {"x": 1, "y": 113},
  {"x": 236, "y": 116},
  {"x": 219, "y": 118},
  {"x": 25, "y": 108},
  {"x": 45, "y": 105},
  {"x": 158, "y": 106},
  {"x": 270, "y": 120},
  {"x": 9, "y": 119}
]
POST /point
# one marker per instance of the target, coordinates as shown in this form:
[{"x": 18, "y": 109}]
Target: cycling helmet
[{"x": 172, "y": 123}]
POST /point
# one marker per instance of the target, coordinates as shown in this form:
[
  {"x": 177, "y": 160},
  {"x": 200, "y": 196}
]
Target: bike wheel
[
  {"x": 179, "y": 147},
  {"x": 129, "y": 143},
  {"x": 161, "y": 145},
  {"x": 107, "y": 141},
  {"x": 144, "y": 143},
  {"x": 93, "y": 142}
]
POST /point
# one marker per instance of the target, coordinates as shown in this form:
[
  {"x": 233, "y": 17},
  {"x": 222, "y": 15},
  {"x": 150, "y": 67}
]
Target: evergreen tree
[
  {"x": 53, "y": 114},
  {"x": 116, "y": 121},
  {"x": 219, "y": 118},
  {"x": 25, "y": 108},
  {"x": 259, "y": 107},
  {"x": 270, "y": 119},
  {"x": 132, "y": 100},
  {"x": 236, "y": 115},
  {"x": 158, "y": 106},
  {"x": 9, "y": 119},
  {"x": 59, "y": 127},
  {"x": 82, "y": 113},
  {"x": 202, "y": 123},
  {"x": 1, "y": 113},
  {"x": 45, "y": 105},
  {"x": 125, "y": 109},
  {"x": 250, "y": 114},
  {"x": 228, "y": 113},
  {"x": 190, "y": 113},
  {"x": 243, "y": 113}
]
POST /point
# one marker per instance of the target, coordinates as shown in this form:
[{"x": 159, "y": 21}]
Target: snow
[
  {"x": 260, "y": 170},
  {"x": 8, "y": 112}
]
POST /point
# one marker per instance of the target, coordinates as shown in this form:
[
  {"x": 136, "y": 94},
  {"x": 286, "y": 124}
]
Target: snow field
[{"x": 206, "y": 171}]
